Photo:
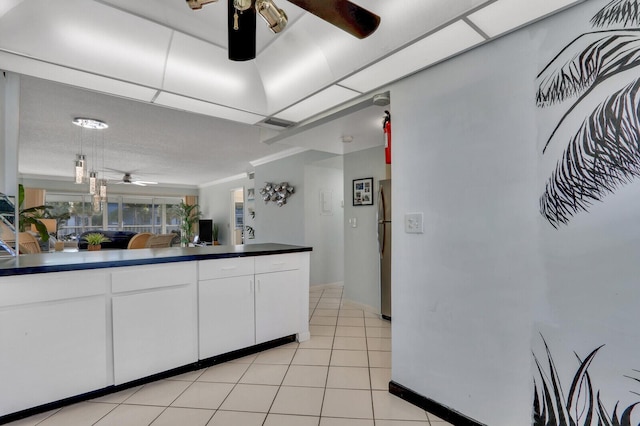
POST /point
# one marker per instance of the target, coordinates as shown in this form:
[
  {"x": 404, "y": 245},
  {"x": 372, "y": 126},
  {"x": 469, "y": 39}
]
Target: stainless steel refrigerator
[{"x": 384, "y": 246}]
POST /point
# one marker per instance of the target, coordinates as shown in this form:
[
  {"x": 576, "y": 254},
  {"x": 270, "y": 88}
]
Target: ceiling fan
[
  {"x": 241, "y": 22},
  {"x": 127, "y": 180}
]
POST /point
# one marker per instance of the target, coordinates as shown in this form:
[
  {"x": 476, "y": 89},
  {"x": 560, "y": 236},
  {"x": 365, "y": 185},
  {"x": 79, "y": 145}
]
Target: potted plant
[
  {"x": 215, "y": 234},
  {"x": 31, "y": 216},
  {"x": 95, "y": 240},
  {"x": 188, "y": 214}
]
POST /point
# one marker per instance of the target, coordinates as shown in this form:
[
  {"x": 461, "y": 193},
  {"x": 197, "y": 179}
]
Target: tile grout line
[
  {"x": 326, "y": 379},
  {"x": 333, "y": 342}
]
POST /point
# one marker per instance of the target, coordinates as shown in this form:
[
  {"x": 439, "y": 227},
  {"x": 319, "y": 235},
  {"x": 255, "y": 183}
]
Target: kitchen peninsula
[{"x": 78, "y": 325}]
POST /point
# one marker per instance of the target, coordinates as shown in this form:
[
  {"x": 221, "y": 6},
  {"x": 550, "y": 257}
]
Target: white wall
[
  {"x": 9, "y": 117},
  {"x": 215, "y": 204},
  {"x": 300, "y": 221},
  {"x": 284, "y": 224},
  {"x": 474, "y": 293},
  {"x": 362, "y": 261},
  {"x": 324, "y": 229},
  {"x": 465, "y": 142}
]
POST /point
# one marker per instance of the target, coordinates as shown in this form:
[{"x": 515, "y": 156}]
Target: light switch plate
[{"x": 413, "y": 223}]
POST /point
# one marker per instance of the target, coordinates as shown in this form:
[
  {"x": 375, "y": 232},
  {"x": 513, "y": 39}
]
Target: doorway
[{"x": 236, "y": 219}]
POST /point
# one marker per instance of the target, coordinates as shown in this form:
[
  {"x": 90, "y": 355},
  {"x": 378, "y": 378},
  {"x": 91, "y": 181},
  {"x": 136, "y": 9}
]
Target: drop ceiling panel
[
  {"x": 205, "y": 108},
  {"x": 87, "y": 36},
  {"x": 208, "y": 23},
  {"x": 434, "y": 48},
  {"x": 34, "y": 68},
  {"x": 201, "y": 70},
  {"x": 293, "y": 68},
  {"x": 365, "y": 126},
  {"x": 317, "y": 103},
  {"x": 505, "y": 15},
  {"x": 400, "y": 24}
]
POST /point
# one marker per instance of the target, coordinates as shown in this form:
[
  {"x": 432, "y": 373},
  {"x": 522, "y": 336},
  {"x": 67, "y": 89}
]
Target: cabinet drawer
[
  {"x": 277, "y": 262},
  {"x": 225, "y": 268},
  {"x": 136, "y": 278}
]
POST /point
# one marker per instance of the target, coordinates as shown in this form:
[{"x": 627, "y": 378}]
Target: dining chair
[
  {"x": 28, "y": 244},
  {"x": 139, "y": 241},
  {"x": 160, "y": 240}
]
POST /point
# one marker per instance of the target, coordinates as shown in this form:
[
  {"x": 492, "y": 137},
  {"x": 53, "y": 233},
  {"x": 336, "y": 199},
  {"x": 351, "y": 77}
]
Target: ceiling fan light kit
[
  {"x": 197, "y": 4},
  {"x": 275, "y": 18},
  {"x": 241, "y": 23}
]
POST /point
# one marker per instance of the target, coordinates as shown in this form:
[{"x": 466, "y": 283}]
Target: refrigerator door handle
[
  {"x": 381, "y": 206},
  {"x": 381, "y": 223}
]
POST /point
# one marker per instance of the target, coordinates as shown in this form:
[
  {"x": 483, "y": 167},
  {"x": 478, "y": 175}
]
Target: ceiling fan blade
[
  {"x": 144, "y": 182},
  {"x": 345, "y": 15},
  {"x": 138, "y": 183},
  {"x": 242, "y": 42}
]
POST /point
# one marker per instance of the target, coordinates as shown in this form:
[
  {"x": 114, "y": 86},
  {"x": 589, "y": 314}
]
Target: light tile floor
[{"x": 339, "y": 377}]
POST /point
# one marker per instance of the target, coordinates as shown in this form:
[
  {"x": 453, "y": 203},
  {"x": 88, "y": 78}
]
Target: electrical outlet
[{"x": 413, "y": 223}]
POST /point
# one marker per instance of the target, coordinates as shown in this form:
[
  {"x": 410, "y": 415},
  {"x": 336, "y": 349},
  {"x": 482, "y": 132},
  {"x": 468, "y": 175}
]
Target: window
[{"x": 123, "y": 213}]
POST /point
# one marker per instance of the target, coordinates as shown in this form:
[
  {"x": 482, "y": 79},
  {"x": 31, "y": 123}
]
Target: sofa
[{"x": 119, "y": 239}]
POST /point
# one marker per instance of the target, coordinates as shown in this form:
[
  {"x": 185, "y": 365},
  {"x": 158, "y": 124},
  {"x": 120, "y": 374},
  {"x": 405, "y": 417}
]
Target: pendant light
[
  {"x": 81, "y": 160},
  {"x": 103, "y": 189},
  {"x": 96, "y": 203},
  {"x": 93, "y": 177},
  {"x": 80, "y": 167}
]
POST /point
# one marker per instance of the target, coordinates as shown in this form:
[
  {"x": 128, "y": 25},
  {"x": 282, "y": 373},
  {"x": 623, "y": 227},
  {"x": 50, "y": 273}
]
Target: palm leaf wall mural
[
  {"x": 604, "y": 154},
  {"x": 625, "y": 12},
  {"x": 582, "y": 405},
  {"x": 600, "y": 130}
]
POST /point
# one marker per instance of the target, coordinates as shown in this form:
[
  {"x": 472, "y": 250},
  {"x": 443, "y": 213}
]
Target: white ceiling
[{"x": 139, "y": 57}]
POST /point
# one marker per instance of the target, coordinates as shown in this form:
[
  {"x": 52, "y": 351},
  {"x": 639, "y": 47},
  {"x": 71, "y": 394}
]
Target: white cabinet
[
  {"x": 53, "y": 329},
  {"x": 65, "y": 334},
  {"x": 276, "y": 309},
  {"x": 226, "y": 306},
  {"x": 154, "y": 319},
  {"x": 282, "y": 296},
  {"x": 250, "y": 300}
]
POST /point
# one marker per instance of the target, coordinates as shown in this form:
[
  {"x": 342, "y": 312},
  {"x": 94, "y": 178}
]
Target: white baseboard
[
  {"x": 339, "y": 284},
  {"x": 346, "y": 303},
  {"x": 303, "y": 337}
]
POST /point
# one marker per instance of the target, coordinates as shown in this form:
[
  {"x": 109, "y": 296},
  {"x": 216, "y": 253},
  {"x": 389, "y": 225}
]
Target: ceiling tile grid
[{"x": 162, "y": 52}]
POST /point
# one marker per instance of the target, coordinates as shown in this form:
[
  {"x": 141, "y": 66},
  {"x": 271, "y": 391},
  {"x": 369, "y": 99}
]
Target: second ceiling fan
[{"x": 241, "y": 20}]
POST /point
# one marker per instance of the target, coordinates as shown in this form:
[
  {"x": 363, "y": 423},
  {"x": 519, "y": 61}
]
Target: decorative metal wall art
[{"x": 278, "y": 193}]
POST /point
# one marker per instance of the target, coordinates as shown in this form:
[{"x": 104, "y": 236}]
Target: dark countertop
[{"x": 76, "y": 261}]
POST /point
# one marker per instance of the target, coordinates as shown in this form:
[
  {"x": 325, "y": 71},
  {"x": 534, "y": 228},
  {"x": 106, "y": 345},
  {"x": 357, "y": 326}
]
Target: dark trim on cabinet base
[
  {"x": 433, "y": 407},
  {"x": 208, "y": 362}
]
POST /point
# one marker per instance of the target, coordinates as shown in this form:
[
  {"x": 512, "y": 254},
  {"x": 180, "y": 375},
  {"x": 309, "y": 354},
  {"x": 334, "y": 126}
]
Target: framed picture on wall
[{"x": 363, "y": 192}]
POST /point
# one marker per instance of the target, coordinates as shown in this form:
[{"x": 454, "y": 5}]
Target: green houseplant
[
  {"x": 95, "y": 240},
  {"x": 31, "y": 216},
  {"x": 215, "y": 234},
  {"x": 188, "y": 214}
]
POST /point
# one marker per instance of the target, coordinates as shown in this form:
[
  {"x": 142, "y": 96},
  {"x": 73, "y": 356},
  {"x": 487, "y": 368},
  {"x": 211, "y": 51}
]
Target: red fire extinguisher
[{"x": 386, "y": 126}]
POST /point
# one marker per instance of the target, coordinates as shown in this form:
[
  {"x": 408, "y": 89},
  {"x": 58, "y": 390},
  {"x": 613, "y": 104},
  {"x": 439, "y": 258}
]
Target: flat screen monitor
[{"x": 205, "y": 227}]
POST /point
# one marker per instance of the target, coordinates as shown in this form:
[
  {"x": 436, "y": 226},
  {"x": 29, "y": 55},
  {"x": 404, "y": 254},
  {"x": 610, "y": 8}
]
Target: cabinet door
[
  {"x": 153, "y": 332},
  {"x": 53, "y": 337},
  {"x": 51, "y": 351},
  {"x": 277, "y": 305},
  {"x": 226, "y": 315}
]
